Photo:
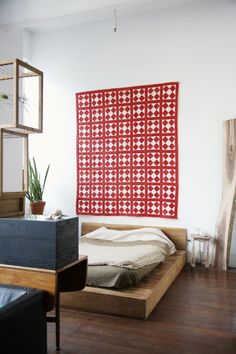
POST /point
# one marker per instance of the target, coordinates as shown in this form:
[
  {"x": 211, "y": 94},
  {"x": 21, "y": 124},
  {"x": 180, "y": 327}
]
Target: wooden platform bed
[{"x": 137, "y": 301}]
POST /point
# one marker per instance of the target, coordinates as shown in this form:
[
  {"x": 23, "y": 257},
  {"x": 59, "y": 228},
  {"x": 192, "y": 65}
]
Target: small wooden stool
[{"x": 201, "y": 240}]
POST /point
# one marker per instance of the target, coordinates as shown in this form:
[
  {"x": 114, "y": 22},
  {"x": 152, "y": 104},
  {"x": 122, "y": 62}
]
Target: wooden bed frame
[{"x": 137, "y": 301}]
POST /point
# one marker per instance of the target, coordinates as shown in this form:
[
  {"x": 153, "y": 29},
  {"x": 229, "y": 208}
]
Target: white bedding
[{"x": 131, "y": 249}]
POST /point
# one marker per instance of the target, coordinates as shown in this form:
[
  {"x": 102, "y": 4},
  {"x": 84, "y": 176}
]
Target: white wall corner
[
  {"x": 27, "y": 45},
  {"x": 11, "y": 44}
]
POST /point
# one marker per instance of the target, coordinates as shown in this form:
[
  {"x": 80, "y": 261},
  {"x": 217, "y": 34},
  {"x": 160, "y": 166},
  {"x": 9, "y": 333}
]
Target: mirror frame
[{"x": 26, "y": 159}]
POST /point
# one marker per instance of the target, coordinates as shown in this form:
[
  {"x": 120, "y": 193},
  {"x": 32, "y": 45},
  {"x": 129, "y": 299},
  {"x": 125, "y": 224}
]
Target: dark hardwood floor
[{"x": 196, "y": 316}]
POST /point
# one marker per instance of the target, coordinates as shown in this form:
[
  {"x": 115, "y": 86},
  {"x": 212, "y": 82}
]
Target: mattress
[
  {"x": 116, "y": 277},
  {"x": 121, "y": 258}
]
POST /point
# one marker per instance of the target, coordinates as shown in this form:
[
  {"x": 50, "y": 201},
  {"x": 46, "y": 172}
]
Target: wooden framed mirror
[
  {"x": 14, "y": 172},
  {"x": 14, "y": 162}
]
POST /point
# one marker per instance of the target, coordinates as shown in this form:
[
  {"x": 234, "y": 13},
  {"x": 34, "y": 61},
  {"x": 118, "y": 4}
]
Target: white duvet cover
[{"x": 131, "y": 249}]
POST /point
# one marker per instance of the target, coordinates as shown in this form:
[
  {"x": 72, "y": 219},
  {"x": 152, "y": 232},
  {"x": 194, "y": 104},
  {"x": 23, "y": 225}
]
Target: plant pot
[{"x": 37, "y": 208}]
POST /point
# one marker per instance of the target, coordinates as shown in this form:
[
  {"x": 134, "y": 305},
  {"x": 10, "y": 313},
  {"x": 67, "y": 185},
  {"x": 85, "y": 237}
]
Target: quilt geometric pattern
[{"x": 127, "y": 152}]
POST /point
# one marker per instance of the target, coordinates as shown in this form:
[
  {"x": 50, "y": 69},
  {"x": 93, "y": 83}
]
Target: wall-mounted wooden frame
[
  {"x": 5, "y": 135},
  {"x": 21, "y": 97}
]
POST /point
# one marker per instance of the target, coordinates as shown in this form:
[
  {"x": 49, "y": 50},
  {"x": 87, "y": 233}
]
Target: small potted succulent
[{"x": 36, "y": 188}]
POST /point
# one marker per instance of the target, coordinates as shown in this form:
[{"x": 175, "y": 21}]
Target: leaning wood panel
[
  {"x": 137, "y": 301},
  {"x": 177, "y": 235},
  {"x": 228, "y": 201}
]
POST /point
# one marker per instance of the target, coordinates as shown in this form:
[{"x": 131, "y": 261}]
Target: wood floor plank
[{"x": 196, "y": 316}]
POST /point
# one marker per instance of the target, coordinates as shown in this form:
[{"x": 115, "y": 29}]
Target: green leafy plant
[
  {"x": 36, "y": 188},
  {"x": 3, "y": 96}
]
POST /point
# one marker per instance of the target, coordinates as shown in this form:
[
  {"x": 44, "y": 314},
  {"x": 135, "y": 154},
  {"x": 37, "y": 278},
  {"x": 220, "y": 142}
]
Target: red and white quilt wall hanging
[{"x": 127, "y": 153}]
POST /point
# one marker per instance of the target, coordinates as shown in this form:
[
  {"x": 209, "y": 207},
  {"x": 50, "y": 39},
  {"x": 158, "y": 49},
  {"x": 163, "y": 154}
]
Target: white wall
[
  {"x": 193, "y": 44},
  {"x": 11, "y": 44}
]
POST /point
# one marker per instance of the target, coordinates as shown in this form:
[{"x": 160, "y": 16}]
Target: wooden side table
[
  {"x": 40, "y": 253},
  {"x": 71, "y": 277},
  {"x": 201, "y": 240}
]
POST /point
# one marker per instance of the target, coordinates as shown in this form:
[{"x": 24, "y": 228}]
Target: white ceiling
[{"x": 37, "y": 15}]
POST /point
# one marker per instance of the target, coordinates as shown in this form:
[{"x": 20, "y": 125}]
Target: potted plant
[{"x": 36, "y": 188}]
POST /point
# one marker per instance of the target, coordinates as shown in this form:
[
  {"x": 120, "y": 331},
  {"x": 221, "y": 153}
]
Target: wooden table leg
[
  {"x": 193, "y": 262},
  {"x": 199, "y": 251},
  {"x": 70, "y": 278},
  {"x": 57, "y": 310},
  {"x": 56, "y": 319},
  {"x": 207, "y": 261}
]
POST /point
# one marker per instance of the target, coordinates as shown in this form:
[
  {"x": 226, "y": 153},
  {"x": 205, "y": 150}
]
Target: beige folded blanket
[{"x": 131, "y": 249}]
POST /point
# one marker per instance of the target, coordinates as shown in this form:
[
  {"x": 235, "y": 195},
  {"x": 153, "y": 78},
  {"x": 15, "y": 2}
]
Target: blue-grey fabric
[
  {"x": 9, "y": 294},
  {"x": 23, "y": 326},
  {"x": 116, "y": 277}
]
